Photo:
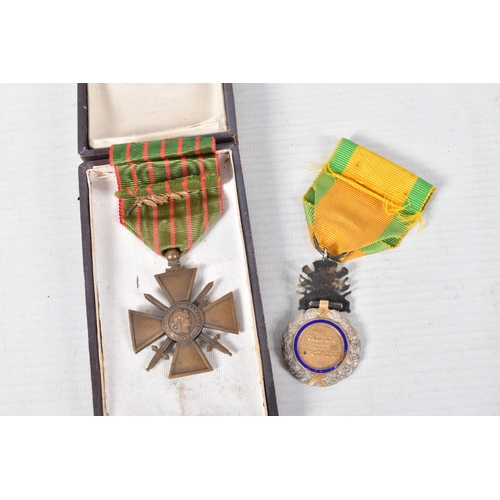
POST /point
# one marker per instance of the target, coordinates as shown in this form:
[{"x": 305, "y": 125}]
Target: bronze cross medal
[{"x": 183, "y": 321}]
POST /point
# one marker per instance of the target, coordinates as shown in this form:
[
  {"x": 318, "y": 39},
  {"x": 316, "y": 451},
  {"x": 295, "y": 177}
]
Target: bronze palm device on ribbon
[
  {"x": 169, "y": 193},
  {"x": 359, "y": 204}
]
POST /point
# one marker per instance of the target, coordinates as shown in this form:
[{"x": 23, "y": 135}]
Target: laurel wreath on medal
[{"x": 346, "y": 366}]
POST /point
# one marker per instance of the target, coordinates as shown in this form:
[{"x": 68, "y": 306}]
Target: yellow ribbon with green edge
[{"x": 362, "y": 203}]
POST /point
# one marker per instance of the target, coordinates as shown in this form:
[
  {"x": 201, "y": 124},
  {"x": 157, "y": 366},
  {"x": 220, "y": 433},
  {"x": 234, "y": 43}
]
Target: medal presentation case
[{"x": 120, "y": 269}]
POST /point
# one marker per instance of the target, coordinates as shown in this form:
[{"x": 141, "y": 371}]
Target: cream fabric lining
[{"x": 134, "y": 112}]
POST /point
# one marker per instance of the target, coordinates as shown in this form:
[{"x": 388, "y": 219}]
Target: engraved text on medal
[{"x": 321, "y": 346}]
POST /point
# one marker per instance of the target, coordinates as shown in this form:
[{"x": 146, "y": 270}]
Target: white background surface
[{"x": 426, "y": 313}]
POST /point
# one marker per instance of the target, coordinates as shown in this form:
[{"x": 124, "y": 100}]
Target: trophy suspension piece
[{"x": 320, "y": 345}]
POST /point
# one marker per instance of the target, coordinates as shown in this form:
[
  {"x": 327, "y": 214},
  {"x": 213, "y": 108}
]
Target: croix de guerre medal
[
  {"x": 358, "y": 205},
  {"x": 169, "y": 193}
]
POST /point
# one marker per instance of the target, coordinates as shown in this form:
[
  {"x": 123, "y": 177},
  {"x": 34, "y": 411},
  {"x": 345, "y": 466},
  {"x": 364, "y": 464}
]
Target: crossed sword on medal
[
  {"x": 146, "y": 328},
  {"x": 161, "y": 350}
]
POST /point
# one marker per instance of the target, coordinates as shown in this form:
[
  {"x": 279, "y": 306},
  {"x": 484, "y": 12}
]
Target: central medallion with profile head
[{"x": 183, "y": 322}]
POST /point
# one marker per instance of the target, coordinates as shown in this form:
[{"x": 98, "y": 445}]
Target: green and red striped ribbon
[{"x": 187, "y": 168}]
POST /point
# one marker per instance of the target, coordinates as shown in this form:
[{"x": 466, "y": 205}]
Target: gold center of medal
[
  {"x": 321, "y": 346},
  {"x": 182, "y": 322}
]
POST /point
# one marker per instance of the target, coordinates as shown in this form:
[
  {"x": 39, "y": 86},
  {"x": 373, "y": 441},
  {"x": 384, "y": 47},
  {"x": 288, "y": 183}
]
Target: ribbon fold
[
  {"x": 362, "y": 203},
  {"x": 169, "y": 191}
]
